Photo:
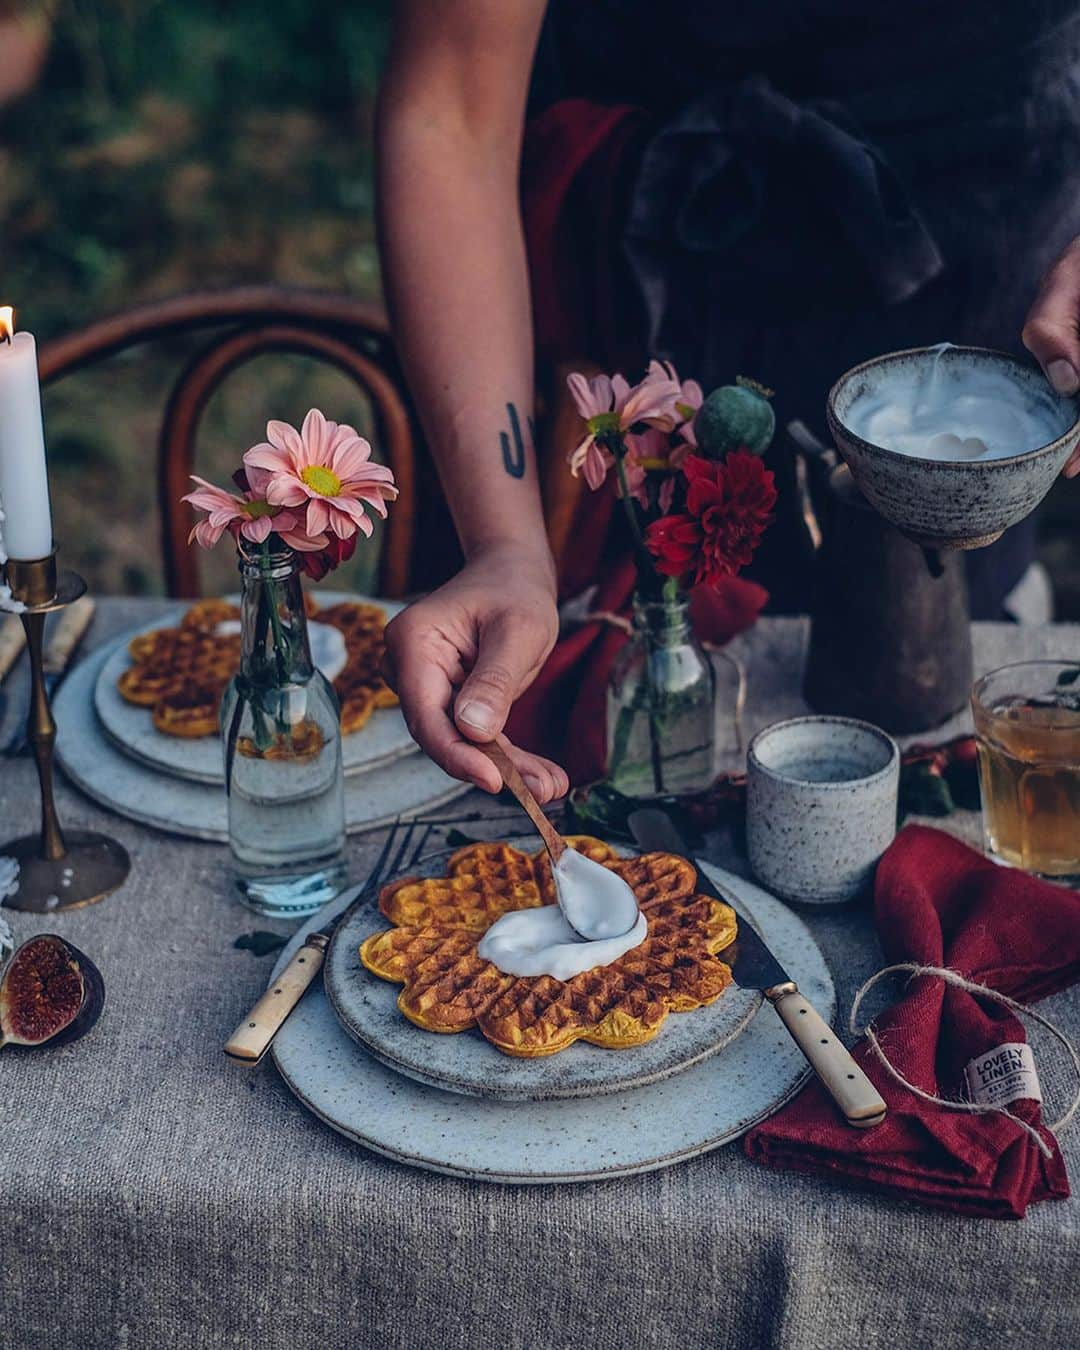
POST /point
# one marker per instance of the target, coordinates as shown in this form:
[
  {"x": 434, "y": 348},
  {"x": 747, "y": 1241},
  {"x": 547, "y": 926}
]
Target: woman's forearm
[
  {"x": 457, "y": 285},
  {"x": 451, "y": 109}
]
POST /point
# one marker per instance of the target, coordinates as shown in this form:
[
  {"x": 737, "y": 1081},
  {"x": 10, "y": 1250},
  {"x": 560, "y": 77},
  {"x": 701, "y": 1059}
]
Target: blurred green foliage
[
  {"x": 161, "y": 130},
  {"x": 217, "y": 57},
  {"x": 169, "y": 145}
]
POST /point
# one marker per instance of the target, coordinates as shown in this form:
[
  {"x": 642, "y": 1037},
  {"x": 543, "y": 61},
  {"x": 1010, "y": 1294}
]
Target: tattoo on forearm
[{"x": 513, "y": 454}]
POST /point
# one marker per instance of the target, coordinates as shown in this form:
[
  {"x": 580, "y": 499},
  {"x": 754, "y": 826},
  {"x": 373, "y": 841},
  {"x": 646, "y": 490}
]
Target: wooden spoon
[
  {"x": 555, "y": 844},
  {"x": 570, "y": 897}
]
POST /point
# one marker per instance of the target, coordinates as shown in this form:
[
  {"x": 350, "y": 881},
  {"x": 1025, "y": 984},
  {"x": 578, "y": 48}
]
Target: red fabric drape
[{"x": 577, "y": 166}]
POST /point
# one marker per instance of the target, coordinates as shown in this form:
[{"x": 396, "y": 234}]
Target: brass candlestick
[{"x": 55, "y": 871}]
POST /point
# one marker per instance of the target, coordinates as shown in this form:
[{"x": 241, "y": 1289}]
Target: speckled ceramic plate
[
  {"x": 367, "y": 1008},
  {"x": 406, "y": 787},
  {"x": 584, "y": 1139},
  {"x": 383, "y": 739}
]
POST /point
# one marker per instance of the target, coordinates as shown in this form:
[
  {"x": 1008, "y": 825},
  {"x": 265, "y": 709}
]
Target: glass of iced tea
[{"x": 1027, "y": 721}]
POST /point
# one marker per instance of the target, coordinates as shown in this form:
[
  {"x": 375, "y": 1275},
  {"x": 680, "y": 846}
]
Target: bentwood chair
[{"x": 245, "y": 322}]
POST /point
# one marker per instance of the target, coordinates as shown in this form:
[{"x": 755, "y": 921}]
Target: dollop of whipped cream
[
  {"x": 541, "y": 942},
  {"x": 596, "y": 920},
  {"x": 597, "y": 902}
]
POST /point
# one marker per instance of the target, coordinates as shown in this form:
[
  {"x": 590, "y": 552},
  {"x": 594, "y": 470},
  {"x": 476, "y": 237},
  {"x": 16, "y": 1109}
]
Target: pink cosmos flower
[
  {"x": 249, "y": 516},
  {"x": 593, "y": 399},
  {"x": 635, "y": 483},
  {"x": 678, "y": 395},
  {"x": 610, "y": 407},
  {"x": 649, "y": 448},
  {"x": 591, "y": 396},
  {"x": 687, "y": 405},
  {"x": 690, "y": 399},
  {"x": 325, "y": 474},
  {"x": 645, "y": 450},
  {"x": 652, "y": 401}
]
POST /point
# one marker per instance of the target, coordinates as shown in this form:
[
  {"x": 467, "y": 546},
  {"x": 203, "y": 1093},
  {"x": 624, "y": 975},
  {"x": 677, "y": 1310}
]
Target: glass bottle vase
[
  {"x": 281, "y": 737},
  {"x": 661, "y": 697}
]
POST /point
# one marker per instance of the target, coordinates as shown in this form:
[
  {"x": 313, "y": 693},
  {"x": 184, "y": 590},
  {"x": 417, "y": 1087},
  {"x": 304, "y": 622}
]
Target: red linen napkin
[{"x": 938, "y": 903}]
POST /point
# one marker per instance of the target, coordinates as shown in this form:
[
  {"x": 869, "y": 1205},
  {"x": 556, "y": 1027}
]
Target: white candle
[{"x": 24, "y": 486}]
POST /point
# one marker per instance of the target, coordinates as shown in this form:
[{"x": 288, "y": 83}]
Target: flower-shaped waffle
[
  {"x": 181, "y": 673},
  {"x": 448, "y": 987},
  {"x": 360, "y": 687}
]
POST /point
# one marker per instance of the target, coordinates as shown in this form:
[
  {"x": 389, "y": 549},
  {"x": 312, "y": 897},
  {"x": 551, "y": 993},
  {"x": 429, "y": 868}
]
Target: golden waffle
[
  {"x": 355, "y": 706},
  {"x": 448, "y": 988},
  {"x": 360, "y": 687},
  {"x": 180, "y": 673},
  {"x": 302, "y": 741},
  {"x": 178, "y": 659},
  {"x": 205, "y": 615},
  {"x": 191, "y": 710},
  {"x": 356, "y": 620}
]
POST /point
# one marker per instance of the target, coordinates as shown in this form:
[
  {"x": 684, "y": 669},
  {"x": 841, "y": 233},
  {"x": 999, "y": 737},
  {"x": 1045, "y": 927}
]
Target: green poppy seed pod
[{"x": 735, "y": 416}]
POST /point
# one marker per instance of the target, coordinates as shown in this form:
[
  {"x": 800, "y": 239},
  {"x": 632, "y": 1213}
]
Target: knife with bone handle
[{"x": 753, "y": 966}]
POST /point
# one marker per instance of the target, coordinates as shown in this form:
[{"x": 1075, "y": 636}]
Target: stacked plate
[
  {"x": 111, "y": 749},
  {"x": 455, "y": 1104}
]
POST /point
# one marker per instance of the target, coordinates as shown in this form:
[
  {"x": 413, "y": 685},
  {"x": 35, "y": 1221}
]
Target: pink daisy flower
[
  {"x": 611, "y": 406},
  {"x": 690, "y": 399},
  {"x": 635, "y": 483},
  {"x": 248, "y": 516},
  {"x": 593, "y": 400},
  {"x": 325, "y": 474},
  {"x": 645, "y": 450},
  {"x": 689, "y": 402}
]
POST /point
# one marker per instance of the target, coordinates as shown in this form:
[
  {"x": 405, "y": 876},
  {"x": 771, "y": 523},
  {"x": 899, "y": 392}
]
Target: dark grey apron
[{"x": 828, "y": 181}]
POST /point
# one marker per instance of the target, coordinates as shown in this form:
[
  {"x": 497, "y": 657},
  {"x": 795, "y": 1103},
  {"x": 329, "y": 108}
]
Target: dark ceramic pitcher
[{"x": 890, "y": 631}]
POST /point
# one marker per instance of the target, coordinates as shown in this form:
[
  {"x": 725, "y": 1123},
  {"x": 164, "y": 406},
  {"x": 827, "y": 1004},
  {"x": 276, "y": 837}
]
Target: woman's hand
[
  {"x": 461, "y": 656},
  {"x": 1052, "y": 330}
]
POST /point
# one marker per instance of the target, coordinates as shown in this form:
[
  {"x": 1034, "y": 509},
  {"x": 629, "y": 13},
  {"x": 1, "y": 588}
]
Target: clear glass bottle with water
[
  {"x": 282, "y": 743},
  {"x": 661, "y": 704}
]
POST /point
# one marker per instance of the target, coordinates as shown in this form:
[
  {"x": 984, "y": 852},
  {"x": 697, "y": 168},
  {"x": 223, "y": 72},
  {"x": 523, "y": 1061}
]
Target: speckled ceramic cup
[
  {"x": 821, "y": 806},
  {"x": 965, "y": 504}
]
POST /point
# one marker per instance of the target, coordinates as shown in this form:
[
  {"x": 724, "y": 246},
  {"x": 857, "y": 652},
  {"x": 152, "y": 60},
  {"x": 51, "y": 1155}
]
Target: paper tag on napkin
[{"x": 1003, "y": 1075}]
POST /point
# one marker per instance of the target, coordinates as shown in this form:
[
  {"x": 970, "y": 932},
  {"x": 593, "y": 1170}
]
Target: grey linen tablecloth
[{"x": 153, "y": 1194}]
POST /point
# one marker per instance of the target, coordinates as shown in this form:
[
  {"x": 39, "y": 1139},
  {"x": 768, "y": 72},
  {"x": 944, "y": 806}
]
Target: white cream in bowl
[{"x": 953, "y": 411}]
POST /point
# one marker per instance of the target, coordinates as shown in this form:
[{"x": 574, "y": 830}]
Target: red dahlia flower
[
  {"x": 728, "y": 506},
  {"x": 337, "y": 551}
]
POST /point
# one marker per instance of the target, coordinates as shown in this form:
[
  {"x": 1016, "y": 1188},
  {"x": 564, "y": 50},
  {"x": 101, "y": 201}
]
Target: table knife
[
  {"x": 253, "y": 1036},
  {"x": 754, "y": 967},
  {"x": 64, "y": 639}
]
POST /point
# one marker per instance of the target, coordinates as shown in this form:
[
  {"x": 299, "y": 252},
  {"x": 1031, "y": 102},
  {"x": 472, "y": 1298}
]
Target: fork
[{"x": 253, "y": 1036}]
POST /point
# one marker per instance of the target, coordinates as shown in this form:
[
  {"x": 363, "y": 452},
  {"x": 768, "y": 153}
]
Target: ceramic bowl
[
  {"x": 953, "y": 505},
  {"x": 820, "y": 806}
]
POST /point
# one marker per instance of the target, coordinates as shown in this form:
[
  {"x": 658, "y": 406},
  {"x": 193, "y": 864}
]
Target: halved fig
[{"x": 50, "y": 993}]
